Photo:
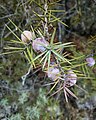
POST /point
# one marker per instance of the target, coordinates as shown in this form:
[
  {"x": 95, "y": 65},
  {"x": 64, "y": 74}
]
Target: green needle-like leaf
[
  {"x": 49, "y": 57},
  {"x": 50, "y": 15},
  {"x": 39, "y": 55},
  {"x": 53, "y": 36},
  {"x": 46, "y": 55},
  {"x": 83, "y": 69},
  {"x": 38, "y": 15},
  {"x": 30, "y": 56},
  {"x": 15, "y": 25},
  {"x": 60, "y": 57},
  {"x": 13, "y": 33},
  {"x": 56, "y": 82},
  {"x": 27, "y": 56},
  {"x": 19, "y": 42},
  {"x": 11, "y": 52},
  {"x": 57, "y": 11},
  {"x": 65, "y": 45},
  {"x": 44, "y": 62},
  {"x": 13, "y": 48},
  {"x": 71, "y": 93}
]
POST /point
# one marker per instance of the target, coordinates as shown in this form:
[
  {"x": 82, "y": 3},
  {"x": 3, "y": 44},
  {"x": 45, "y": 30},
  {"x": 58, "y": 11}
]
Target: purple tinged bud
[
  {"x": 71, "y": 78},
  {"x": 53, "y": 73},
  {"x": 39, "y": 43},
  {"x": 90, "y": 61}
]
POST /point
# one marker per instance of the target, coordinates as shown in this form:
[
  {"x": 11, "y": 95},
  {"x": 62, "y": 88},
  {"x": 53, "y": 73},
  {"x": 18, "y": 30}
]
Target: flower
[
  {"x": 53, "y": 72},
  {"x": 90, "y": 61},
  {"x": 40, "y": 44},
  {"x": 71, "y": 78},
  {"x": 26, "y": 36}
]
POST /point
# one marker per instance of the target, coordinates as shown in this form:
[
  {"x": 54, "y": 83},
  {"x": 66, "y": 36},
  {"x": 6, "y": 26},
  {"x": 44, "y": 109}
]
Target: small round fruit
[{"x": 26, "y": 36}]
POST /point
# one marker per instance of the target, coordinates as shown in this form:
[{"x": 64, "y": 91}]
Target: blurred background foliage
[{"x": 18, "y": 102}]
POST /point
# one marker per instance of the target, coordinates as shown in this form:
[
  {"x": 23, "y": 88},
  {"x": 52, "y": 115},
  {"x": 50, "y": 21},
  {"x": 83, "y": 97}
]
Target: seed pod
[
  {"x": 26, "y": 36},
  {"x": 90, "y": 61},
  {"x": 53, "y": 72},
  {"x": 39, "y": 43},
  {"x": 71, "y": 78}
]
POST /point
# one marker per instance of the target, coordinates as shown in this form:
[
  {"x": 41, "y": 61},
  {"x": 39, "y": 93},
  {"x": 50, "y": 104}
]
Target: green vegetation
[{"x": 47, "y": 43}]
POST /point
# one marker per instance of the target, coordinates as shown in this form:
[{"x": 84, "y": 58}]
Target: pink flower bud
[
  {"x": 39, "y": 43},
  {"x": 26, "y": 36},
  {"x": 53, "y": 73},
  {"x": 71, "y": 78},
  {"x": 90, "y": 61}
]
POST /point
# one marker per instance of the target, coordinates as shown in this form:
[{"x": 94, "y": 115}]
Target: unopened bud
[
  {"x": 39, "y": 44},
  {"x": 71, "y": 78},
  {"x": 90, "y": 61},
  {"x": 53, "y": 72},
  {"x": 26, "y": 36}
]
